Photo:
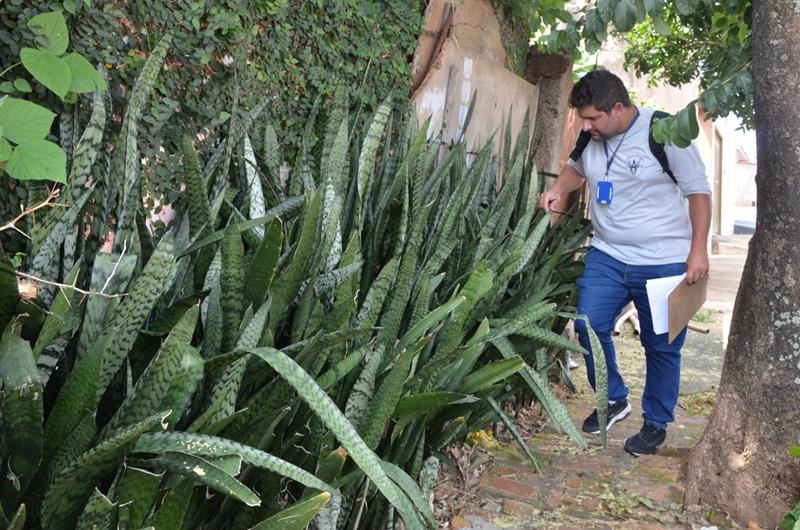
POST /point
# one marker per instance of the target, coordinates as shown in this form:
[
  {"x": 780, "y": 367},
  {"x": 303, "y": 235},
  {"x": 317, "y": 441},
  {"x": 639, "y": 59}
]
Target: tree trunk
[{"x": 742, "y": 465}]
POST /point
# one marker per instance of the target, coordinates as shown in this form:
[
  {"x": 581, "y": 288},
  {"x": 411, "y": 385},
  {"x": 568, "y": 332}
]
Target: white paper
[{"x": 658, "y": 291}]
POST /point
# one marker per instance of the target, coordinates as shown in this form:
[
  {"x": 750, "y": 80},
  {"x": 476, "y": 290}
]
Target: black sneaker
[
  {"x": 646, "y": 442},
  {"x": 616, "y": 412}
]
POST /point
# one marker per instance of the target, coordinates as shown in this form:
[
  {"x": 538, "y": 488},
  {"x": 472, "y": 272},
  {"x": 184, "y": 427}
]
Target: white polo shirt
[{"x": 647, "y": 222}]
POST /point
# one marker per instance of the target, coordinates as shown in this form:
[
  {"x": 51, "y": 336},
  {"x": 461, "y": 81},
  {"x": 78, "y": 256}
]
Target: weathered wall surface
[{"x": 461, "y": 53}]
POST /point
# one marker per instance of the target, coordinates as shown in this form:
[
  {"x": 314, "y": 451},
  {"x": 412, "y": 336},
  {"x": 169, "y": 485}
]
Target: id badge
[{"x": 605, "y": 192}]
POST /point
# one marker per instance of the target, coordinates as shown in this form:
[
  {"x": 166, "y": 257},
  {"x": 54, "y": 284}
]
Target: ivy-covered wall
[{"x": 287, "y": 51}]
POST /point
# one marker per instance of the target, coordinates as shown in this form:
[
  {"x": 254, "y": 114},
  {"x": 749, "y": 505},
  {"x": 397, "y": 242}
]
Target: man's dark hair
[{"x": 601, "y": 89}]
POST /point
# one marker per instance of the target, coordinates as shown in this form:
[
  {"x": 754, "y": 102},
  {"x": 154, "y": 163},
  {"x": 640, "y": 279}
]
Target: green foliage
[
  {"x": 251, "y": 343},
  {"x": 286, "y": 53},
  {"x": 27, "y": 124},
  {"x": 675, "y": 43}
]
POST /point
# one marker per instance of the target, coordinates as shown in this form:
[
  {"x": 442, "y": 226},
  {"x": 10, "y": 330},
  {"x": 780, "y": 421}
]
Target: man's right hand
[{"x": 548, "y": 198}]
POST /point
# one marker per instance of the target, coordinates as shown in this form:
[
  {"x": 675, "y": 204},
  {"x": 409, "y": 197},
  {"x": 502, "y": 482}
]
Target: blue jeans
[{"x": 604, "y": 289}]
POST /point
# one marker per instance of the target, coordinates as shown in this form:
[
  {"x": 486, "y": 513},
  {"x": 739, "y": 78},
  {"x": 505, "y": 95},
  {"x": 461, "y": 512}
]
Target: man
[{"x": 642, "y": 230}]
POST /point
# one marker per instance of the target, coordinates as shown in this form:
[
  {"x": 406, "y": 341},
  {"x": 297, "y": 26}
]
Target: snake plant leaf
[
  {"x": 111, "y": 274},
  {"x": 264, "y": 263},
  {"x": 550, "y": 338},
  {"x": 202, "y": 471},
  {"x": 601, "y": 380},
  {"x": 373, "y": 303},
  {"x": 326, "y": 409},
  {"x": 137, "y": 488},
  {"x": 509, "y": 423},
  {"x": 199, "y": 206},
  {"x": 271, "y": 153},
  {"x": 70, "y": 489},
  {"x": 284, "y": 290},
  {"x": 411, "y": 489},
  {"x": 297, "y": 516},
  {"x": 328, "y": 470},
  {"x": 358, "y": 401},
  {"x": 21, "y": 410},
  {"x": 212, "y": 446},
  {"x": 183, "y": 385},
  {"x": 388, "y": 394},
  {"x": 92, "y": 373},
  {"x": 490, "y": 374},
  {"x": 146, "y": 396},
  {"x": 58, "y": 322},
  {"x": 420, "y": 404},
  {"x": 99, "y": 512},
  {"x": 369, "y": 148},
  {"x": 429, "y": 321},
  {"x": 553, "y": 406},
  {"x": 258, "y": 206},
  {"x": 172, "y": 511},
  {"x": 232, "y": 286},
  {"x": 45, "y": 262},
  {"x": 223, "y": 396},
  {"x": 337, "y": 372},
  {"x": 126, "y": 162},
  {"x": 284, "y": 210}
]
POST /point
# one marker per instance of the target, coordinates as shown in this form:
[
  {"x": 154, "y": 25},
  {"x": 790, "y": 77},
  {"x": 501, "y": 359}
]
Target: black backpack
[{"x": 656, "y": 148}]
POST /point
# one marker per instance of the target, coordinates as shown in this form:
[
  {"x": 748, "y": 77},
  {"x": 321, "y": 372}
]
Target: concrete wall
[{"x": 471, "y": 59}]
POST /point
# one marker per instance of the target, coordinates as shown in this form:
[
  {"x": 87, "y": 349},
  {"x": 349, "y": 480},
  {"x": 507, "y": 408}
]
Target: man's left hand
[{"x": 696, "y": 266}]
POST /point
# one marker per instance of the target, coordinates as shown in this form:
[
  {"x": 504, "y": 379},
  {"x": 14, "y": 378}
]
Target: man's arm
[
  {"x": 568, "y": 180},
  {"x": 700, "y": 216}
]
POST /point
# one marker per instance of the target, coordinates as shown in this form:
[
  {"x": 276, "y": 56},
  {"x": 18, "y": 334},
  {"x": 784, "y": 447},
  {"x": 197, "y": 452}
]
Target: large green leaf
[
  {"x": 50, "y": 70},
  {"x": 23, "y": 121},
  {"x": 52, "y": 30},
  {"x": 84, "y": 77}
]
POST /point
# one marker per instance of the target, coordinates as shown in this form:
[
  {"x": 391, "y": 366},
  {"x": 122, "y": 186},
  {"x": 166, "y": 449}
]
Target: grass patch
[
  {"x": 698, "y": 404},
  {"x": 705, "y": 316}
]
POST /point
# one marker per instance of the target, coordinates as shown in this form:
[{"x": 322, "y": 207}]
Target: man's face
[{"x": 600, "y": 124}]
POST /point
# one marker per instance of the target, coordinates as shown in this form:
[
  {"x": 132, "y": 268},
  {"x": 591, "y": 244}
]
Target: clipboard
[{"x": 684, "y": 301}]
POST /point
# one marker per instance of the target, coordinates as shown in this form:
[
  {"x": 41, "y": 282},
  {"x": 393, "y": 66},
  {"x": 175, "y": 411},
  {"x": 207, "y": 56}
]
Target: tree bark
[{"x": 742, "y": 466}]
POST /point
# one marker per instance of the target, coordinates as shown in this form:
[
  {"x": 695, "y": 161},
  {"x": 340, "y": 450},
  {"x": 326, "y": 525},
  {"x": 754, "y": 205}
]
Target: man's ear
[{"x": 618, "y": 108}]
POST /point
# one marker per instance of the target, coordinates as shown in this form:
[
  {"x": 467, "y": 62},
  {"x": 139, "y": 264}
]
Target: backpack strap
[
  {"x": 658, "y": 149},
  {"x": 580, "y": 145}
]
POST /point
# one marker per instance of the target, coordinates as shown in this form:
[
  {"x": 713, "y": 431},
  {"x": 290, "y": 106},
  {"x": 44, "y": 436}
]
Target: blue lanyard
[{"x": 610, "y": 161}]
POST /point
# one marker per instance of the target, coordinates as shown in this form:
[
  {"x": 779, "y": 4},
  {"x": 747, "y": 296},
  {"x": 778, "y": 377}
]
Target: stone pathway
[{"x": 605, "y": 489}]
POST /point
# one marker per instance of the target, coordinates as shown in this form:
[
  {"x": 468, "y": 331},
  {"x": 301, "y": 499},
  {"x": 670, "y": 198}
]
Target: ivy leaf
[
  {"x": 84, "y": 76},
  {"x": 625, "y": 15},
  {"x": 22, "y": 85},
  {"x": 23, "y": 121},
  {"x": 38, "y": 160},
  {"x": 53, "y": 28},
  {"x": 7, "y": 87},
  {"x": 48, "y": 69}
]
